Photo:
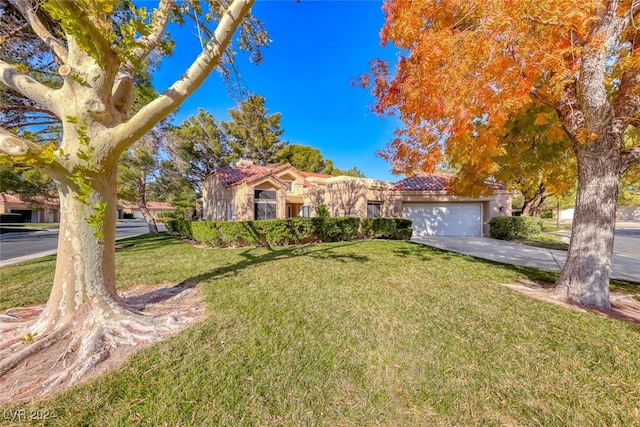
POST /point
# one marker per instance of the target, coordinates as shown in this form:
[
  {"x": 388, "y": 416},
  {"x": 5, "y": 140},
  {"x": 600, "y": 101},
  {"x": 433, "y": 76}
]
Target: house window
[
  {"x": 305, "y": 211},
  {"x": 229, "y": 211},
  {"x": 264, "y": 204},
  {"x": 373, "y": 210},
  {"x": 218, "y": 210},
  {"x": 291, "y": 186}
]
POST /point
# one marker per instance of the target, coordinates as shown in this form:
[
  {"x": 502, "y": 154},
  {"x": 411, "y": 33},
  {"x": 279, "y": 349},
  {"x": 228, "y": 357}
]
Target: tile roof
[
  {"x": 231, "y": 175},
  {"x": 150, "y": 205},
  {"x": 37, "y": 200},
  {"x": 314, "y": 174},
  {"x": 9, "y": 198},
  {"x": 437, "y": 181}
]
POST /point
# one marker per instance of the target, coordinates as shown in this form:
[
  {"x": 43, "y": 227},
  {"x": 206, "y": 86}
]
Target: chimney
[{"x": 244, "y": 163}]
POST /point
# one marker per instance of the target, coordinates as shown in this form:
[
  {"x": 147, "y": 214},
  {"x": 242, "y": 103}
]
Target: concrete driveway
[{"x": 624, "y": 267}]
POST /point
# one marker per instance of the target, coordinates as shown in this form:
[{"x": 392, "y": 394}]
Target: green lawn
[
  {"x": 545, "y": 240},
  {"x": 352, "y": 334}
]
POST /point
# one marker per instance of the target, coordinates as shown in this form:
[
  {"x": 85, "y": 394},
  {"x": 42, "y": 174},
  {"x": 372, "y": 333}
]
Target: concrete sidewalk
[{"x": 623, "y": 267}]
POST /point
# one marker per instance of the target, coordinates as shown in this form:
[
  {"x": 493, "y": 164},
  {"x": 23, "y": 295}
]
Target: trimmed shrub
[
  {"x": 180, "y": 226},
  {"x": 10, "y": 218},
  {"x": 274, "y": 232},
  {"x": 336, "y": 229},
  {"x": 240, "y": 233},
  {"x": 166, "y": 215},
  {"x": 206, "y": 232},
  {"x": 514, "y": 227},
  {"x": 127, "y": 215},
  {"x": 282, "y": 232},
  {"x": 546, "y": 214},
  {"x": 386, "y": 228}
]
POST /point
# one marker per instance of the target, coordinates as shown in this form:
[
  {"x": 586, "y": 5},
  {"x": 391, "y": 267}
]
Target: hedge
[
  {"x": 514, "y": 227},
  {"x": 10, "y": 218},
  {"x": 279, "y": 232},
  {"x": 386, "y": 228}
]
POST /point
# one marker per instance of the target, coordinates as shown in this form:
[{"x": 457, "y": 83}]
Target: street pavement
[
  {"x": 23, "y": 246},
  {"x": 625, "y": 261}
]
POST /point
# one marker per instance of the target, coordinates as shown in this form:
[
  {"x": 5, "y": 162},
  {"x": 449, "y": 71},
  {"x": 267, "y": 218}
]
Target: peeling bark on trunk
[
  {"x": 85, "y": 264},
  {"x": 585, "y": 275},
  {"x": 84, "y": 310},
  {"x": 142, "y": 203}
]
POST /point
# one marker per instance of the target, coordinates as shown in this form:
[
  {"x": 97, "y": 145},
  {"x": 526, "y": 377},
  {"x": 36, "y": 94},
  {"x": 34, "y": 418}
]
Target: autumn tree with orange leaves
[
  {"x": 538, "y": 161},
  {"x": 469, "y": 67}
]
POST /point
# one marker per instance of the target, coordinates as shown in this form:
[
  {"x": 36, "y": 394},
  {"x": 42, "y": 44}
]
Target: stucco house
[
  {"x": 154, "y": 209},
  {"x": 249, "y": 192},
  {"x": 38, "y": 209}
]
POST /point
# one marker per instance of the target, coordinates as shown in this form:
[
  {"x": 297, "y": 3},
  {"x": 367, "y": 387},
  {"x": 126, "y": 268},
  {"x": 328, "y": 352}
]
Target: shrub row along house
[{"x": 247, "y": 192}]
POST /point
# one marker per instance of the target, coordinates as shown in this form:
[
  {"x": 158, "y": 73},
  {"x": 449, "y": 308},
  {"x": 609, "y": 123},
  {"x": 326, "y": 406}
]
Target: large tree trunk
[
  {"x": 142, "y": 203},
  {"x": 84, "y": 319},
  {"x": 585, "y": 275},
  {"x": 85, "y": 263}
]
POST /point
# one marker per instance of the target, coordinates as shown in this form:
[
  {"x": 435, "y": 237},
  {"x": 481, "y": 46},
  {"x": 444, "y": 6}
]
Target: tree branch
[
  {"x": 27, "y": 86},
  {"x": 124, "y": 80},
  {"x": 92, "y": 32},
  {"x": 15, "y": 146},
  {"x": 129, "y": 132},
  {"x": 158, "y": 26},
  {"x": 633, "y": 10},
  {"x": 570, "y": 112},
  {"x": 630, "y": 157},
  {"x": 28, "y": 12},
  {"x": 626, "y": 105}
]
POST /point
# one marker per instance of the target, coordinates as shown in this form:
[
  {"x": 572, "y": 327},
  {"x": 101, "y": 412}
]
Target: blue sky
[{"x": 318, "y": 48}]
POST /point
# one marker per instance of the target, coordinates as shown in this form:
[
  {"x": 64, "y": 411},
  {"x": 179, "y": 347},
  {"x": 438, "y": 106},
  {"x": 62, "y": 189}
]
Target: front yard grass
[
  {"x": 354, "y": 334},
  {"x": 545, "y": 240}
]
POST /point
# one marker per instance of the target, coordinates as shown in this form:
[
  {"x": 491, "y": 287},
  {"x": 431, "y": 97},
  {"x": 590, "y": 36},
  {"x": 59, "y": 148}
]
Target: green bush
[
  {"x": 336, "y": 229},
  {"x": 128, "y": 216},
  {"x": 180, "y": 226},
  {"x": 166, "y": 215},
  {"x": 514, "y": 227},
  {"x": 292, "y": 231},
  {"x": 10, "y": 218},
  {"x": 546, "y": 214},
  {"x": 206, "y": 232},
  {"x": 275, "y": 232},
  {"x": 322, "y": 212},
  {"x": 386, "y": 228}
]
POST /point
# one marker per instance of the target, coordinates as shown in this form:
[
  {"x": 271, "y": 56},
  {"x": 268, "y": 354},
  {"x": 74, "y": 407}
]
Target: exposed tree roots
[
  {"x": 94, "y": 340},
  {"x": 625, "y": 307}
]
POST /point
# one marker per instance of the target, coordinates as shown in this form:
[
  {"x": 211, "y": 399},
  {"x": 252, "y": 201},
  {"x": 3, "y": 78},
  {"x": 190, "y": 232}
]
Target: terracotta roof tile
[
  {"x": 433, "y": 182},
  {"x": 438, "y": 181},
  {"x": 37, "y": 200},
  {"x": 314, "y": 174},
  {"x": 9, "y": 198},
  {"x": 231, "y": 176}
]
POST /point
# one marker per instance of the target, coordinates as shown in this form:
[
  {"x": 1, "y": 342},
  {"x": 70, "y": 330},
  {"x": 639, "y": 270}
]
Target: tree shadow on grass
[
  {"x": 429, "y": 253},
  {"x": 256, "y": 256}
]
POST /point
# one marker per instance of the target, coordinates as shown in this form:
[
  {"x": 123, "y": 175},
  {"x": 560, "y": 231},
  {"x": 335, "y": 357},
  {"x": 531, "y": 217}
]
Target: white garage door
[{"x": 444, "y": 219}]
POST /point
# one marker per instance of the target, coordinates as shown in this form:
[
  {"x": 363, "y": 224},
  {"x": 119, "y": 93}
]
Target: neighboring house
[
  {"x": 37, "y": 209},
  {"x": 154, "y": 209},
  {"x": 623, "y": 213},
  {"x": 248, "y": 192},
  {"x": 628, "y": 213}
]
